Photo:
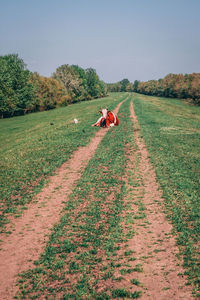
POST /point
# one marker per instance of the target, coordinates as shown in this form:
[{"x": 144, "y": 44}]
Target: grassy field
[
  {"x": 171, "y": 129},
  {"x": 32, "y": 146},
  {"x": 81, "y": 255},
  {"x": 84, "y": 249}
]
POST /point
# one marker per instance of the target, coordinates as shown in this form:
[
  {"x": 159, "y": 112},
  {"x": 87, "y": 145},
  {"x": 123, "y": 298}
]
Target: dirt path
[
  {"x": 152, "y": 244},
  {"x": 25, "y": 244}
]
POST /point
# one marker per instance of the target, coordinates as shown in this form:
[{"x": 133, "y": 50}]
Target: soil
[
  {"x": 152, "y": 245},
  {"x": 30, "y": 234}
]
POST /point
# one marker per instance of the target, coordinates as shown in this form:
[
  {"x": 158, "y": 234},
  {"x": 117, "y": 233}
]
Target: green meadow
[
  {"x": 82, "y": 250},
  {"x": 72, "y": 264},
  {"x": 34, "y": 145},
  {"x": 171, "y": 129}
]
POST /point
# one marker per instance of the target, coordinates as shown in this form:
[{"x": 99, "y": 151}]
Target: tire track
[
  {"x": 153, "y": 244},
  {"x": 25, "y": 244}
]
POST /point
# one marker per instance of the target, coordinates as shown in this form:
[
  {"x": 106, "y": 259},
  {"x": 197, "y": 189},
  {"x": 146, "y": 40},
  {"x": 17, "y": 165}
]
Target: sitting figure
[{"x": 108, "y": 119}]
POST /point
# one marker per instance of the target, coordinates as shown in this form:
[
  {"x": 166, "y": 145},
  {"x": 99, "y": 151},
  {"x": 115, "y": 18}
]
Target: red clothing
[{"x": 111, "y": 119}]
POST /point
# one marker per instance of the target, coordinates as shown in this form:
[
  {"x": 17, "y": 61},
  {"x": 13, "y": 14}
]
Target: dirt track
[
  {"x": 153, "y": 245},
  {"x": 25, "y": 244}
]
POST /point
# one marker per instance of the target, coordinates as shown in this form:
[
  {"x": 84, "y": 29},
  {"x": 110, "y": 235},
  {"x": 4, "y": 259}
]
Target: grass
[
  {"x": 122, "y": 293},
  {"x": 88, "y": 248},
  {"x": 135, "y": 282},
  {"x": 82, "y": 253},
  {"x": 33, "y": 146},
  {"x": 171, "y": 129}
]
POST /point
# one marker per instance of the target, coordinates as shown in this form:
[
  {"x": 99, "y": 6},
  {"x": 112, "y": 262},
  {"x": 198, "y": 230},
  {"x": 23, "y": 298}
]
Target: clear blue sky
[{"x": 134, "y": 39}]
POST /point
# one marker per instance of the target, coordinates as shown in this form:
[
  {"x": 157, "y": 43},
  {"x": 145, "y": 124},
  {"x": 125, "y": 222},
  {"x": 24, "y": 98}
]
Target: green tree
[
  {"x": 124, "y": 83},
  {"x": 82, "y": 92},
  {"x": 80, "y": 84},
  {"x": 174, "y": 86},
  {"x": 135, "y": 85},
  {"x": 69, "y": 77},
  {"x": 93, "y": 83},
  {"x": 114, "y": 87},
  {"x": 16, "y": 92},
  {"x": 103, "y": 89},
  {"x": 50, "y": 92}
]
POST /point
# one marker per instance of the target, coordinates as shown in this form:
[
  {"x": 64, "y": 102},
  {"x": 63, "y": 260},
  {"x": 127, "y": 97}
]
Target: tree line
[
  {"x": 173, "y": 85},
  {"x": 22, "y": 91},
  {"x": 121, "y": 86}
]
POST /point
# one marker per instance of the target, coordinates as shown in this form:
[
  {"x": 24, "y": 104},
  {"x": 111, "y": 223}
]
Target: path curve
[{"x": 25, "y": 244}]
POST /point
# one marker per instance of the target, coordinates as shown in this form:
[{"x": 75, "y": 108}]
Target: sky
[{"x": 134, "y": 39}]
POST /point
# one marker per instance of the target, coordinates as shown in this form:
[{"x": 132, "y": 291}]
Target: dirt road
[
  {"x": 25, "y": 244},
  {"x": 155, "y": 261},
  {"x": 153, "y": 244}
]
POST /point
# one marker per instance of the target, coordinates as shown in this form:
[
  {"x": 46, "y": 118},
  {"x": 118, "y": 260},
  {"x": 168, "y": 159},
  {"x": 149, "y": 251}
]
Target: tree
[
  {"x": 135, "y": 85},
  {"x": 82, "y": 92},
  {"x": 50, "y": 92},
  {"x": 114, "y": 87},
  {"x": 69, "y": 77},
  {"x": 93, "y": 83},
  {"x": 22, "y": 91},
  {"x": 129, "y": 87},
  {"x": 16, "y": 92},
  {"x": 124, "y": 83},
  {"x": 103, "y": 89},
  {"x": 174, "y": 86}
]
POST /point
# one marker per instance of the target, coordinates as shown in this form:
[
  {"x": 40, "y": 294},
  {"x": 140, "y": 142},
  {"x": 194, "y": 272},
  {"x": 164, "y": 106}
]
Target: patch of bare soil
[
  {"x": 27, "y": 241},
  {"x": 157, "y": 269}
]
